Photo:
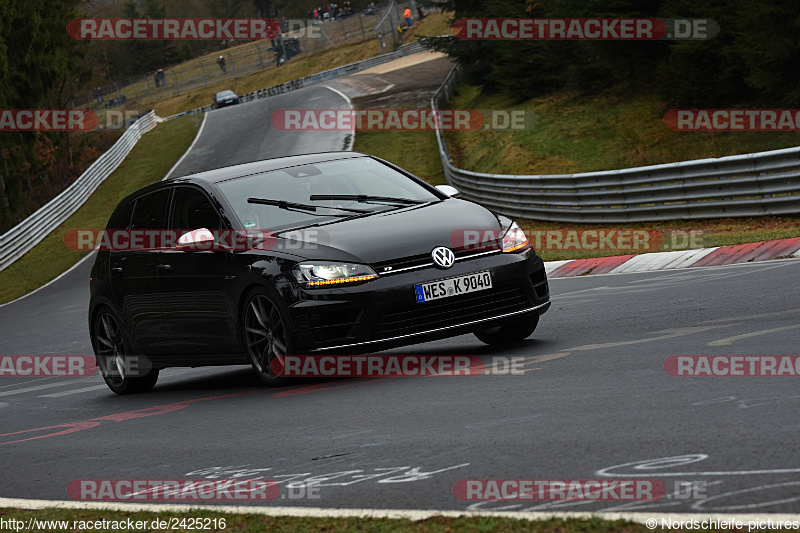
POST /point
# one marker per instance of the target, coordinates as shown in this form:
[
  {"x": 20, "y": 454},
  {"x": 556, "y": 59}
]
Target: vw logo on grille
[{"x": 443, "y": 257}]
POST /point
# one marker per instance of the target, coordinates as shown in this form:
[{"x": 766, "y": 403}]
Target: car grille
[
  {"x": 417, "y": 317},
  {"x": 420, "y": 261}
]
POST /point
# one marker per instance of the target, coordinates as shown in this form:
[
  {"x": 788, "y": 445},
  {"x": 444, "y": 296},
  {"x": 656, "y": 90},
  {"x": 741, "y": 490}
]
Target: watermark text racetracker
[
  {"x": 202, "y": 239},
  {"x": 402, "y": 119},
  {"x": 47, "y": 365},
  {"x": 559, "y": 489},
  {"x": 186, "y": 490},
  {"x": 177, "y": 28},
  {"x": 733, "y": 119},
  {"x": 599, "y": 239},
  {"x": 394, "y": 365},
  {"x": 47, "y": 119},
  {"x": 733, "y": 365},
  {"x": 584, "y": 29}
]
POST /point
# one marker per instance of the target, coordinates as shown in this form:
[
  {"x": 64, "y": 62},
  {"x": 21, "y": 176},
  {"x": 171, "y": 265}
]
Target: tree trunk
[{"x": 3, "y": 197}]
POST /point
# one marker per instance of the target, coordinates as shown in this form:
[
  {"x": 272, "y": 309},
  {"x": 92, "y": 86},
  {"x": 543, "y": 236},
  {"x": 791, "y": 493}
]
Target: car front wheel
[
  {"x": 508, "y": 332},
  {"x": 266, "y": 334},
  {"x": 113, "y": 355}
]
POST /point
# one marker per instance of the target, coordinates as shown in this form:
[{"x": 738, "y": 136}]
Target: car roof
[{"x": 267, "y": 165}]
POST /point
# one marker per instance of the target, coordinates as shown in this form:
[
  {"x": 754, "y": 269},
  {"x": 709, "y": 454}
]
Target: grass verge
[
  {"x": 148, "y": 162},
  {"x": 675, "y": 235},
  {"x": 244, "y": 523},
  {"x": 575, "y": 133},
  {"x": 415, "y": 151}
]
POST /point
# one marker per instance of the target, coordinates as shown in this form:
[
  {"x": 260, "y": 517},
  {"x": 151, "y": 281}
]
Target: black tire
[
  {"x": 509, "y": 332},
  {"x": 111, "y": 348},
  {"x": 266, "y": 337}
]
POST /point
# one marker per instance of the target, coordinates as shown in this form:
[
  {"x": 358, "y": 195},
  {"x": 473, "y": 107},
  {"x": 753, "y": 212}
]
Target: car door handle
[
  {"x": 164, "y": 269},
  {"x": 116, "y": 270}
]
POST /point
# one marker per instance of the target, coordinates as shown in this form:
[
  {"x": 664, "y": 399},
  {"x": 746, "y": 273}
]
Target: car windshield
[
  {"x": 355, "y": 178},
  {"x": 224, "y": 94}
]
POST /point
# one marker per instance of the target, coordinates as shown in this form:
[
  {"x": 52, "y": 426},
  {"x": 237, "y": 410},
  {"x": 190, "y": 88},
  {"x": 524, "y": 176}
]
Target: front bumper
[{"x": 384, "y": 313}]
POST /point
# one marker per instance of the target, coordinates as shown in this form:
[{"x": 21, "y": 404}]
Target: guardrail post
[
  {"x": 363, "y": 31},
  {"x": 203, "y": 70},
  {"x": 177, "y": 87},
  {"x": 149, "y": 94},
  {"x": 260, "y": 58}
]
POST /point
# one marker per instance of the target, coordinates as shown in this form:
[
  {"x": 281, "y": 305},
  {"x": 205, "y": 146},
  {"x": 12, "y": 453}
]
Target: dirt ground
[{"x": 408, "y": 82}]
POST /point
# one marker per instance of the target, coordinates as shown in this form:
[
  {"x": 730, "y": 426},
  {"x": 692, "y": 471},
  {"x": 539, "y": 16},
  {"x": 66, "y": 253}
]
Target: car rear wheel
[
  {"x": 509, "y": 332},
  {"x": 112, "y": 351},
  {"x": 266, "y": 336}
]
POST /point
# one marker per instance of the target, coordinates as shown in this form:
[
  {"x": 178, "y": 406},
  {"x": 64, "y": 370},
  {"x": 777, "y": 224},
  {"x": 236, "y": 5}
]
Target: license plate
[{"x": 444, "y": 288}]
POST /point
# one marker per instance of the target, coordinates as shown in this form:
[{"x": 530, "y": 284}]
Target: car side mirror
[
  {"x": 449, "y": 190},
  {"x": 196, "y": 240}
]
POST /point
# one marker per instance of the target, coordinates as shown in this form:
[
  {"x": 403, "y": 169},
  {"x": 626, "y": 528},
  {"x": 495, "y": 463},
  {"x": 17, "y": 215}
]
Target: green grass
[
  {"x": 415, "y": 151},
  {"x": 148, "y": 162},
  {"x": 706, "y": 233},
  {"x": 245, "y": 523},
  {"x": 575, "y": 133}
]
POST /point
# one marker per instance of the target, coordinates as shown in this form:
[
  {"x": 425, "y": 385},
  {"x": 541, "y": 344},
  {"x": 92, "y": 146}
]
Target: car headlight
[
  {"x": 515, "y": 239},
  {"x": 326, "y": 274}
]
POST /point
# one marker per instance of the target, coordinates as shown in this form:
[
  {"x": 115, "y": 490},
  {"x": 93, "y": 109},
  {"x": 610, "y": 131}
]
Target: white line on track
[
  {"x": 407, "y": 514},
  {"x": 197, "y": 136},
  {"x": 74, "y": 391},
  {"x": 39, "y": 387},
  {"x": 352, "y": 140}
]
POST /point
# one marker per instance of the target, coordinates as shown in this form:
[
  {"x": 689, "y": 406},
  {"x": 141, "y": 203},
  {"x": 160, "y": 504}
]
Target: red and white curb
[{"x": 720, "y": 255}]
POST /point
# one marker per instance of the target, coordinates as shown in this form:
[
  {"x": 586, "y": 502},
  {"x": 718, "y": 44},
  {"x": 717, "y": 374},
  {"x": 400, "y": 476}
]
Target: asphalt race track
[{"x": 593, "y": 401}]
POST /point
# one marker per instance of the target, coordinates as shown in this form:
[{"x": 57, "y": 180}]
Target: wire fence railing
[
  {"x": 321, "y": 77},
  {"x": 764, "y": 183},
  {"x": 142, "y": 92}
]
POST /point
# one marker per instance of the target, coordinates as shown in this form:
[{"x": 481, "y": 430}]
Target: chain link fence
[
  {"x": 392, "y": 23},
  {"x": 208, "y": 71}
]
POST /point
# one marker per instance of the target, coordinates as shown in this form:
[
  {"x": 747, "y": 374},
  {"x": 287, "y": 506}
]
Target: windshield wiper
[
  {"x": 366, "y": 198},
  {"x": 293, "y": 206}
]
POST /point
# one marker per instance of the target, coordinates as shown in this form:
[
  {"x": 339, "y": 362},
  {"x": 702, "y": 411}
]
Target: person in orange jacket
[{"x": 407, "y": 15}]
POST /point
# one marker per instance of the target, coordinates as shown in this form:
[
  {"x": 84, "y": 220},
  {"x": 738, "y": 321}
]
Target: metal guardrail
[
  {"x": 28, "y": 233},
  {"x": 764, "y": 183},
  {"x": 328, "y": 75}
]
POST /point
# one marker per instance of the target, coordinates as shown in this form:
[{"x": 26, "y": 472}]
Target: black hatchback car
[{"x": 339, "y": 253}]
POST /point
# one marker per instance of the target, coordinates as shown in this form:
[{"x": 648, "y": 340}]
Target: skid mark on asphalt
[{"x": 73, "y": 427}]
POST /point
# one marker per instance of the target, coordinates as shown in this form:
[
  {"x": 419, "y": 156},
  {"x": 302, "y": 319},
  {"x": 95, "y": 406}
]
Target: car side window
[
  {"x": 191, "y": 210},
  {"x": 122, "y": 219},
  {"x": 150, "y": 210}
]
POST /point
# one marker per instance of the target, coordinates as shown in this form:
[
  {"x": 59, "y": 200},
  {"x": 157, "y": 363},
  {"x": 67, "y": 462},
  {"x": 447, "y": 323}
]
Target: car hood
[{"x": 407, "y": 232}]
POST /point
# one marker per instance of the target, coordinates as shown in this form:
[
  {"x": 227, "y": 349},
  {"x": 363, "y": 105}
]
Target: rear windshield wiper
[
  {"x": 366, "y": 198},
  {"x": 293, "y": 206}
]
